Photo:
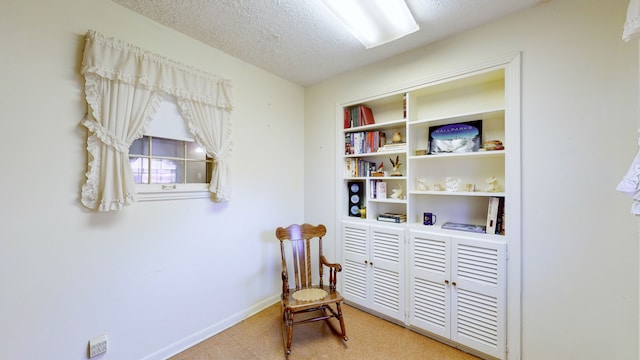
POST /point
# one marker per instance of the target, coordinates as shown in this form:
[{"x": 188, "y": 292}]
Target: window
[
  {"x": 131, "y": 85},
  {"x": 165, "y": 161},
  {"x": 166, "y": 169}
]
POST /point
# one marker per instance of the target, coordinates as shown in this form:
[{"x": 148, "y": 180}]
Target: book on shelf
[
  {"x": 362, "y": 142},
  {"x": 347, "y": 144},
  {"x": 404, "y": 105},
  {"x": 347, "y": 118},
  {"x": 495, "y": 216},
  {"x": 381, "y": 190},
  {"x": 366, "y": 115},
  {"x": 357, "y": 167},
  {"x": 377, "y": 189},
  {"x": 358, "y": 115},
  {"x": 500, "y": 218},
  {"x": 492, "y": 214},
  {"x": 391, "y": 220},
  {"x": 392, "y": 217},
  {"x": 349, "y": 167},
  {"x": 372, "y": 189},
  {"x": 348, "y": 122},
  {"x": 464, "y": 227},
  {"x": 391, "y": 147}
]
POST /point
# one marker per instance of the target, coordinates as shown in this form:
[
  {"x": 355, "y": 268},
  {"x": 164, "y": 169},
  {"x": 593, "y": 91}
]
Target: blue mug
[{"x": 429, "y": 218}]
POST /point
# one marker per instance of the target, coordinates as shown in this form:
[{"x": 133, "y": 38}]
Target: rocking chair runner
[{"x": 313, "y": 300}]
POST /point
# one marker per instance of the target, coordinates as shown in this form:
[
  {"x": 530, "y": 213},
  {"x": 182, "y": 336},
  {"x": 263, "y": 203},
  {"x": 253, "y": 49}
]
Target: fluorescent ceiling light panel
[{"x": 374, "y": 22}]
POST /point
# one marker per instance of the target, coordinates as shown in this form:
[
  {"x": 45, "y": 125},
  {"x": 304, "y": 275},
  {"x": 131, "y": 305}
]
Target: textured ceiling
[{"x": 300, "y": 40}]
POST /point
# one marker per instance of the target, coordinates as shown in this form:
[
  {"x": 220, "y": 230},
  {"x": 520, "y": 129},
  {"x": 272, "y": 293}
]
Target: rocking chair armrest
[
  {"x": 334, "y": 269},
  {"x": 335, "y": 266}
]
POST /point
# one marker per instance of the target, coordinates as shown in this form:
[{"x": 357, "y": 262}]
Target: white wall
[
  {"x": 579, "y": 121},
  {"x": 156, "y": 276}
]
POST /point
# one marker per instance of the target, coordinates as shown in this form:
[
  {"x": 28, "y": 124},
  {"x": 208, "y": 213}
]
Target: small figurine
[
  {"x": 422, "y": 184},
  {"x": 379, "y": 171},
  {"x": 493, "y": 184},
  {"x": 396, "y": 166},
  {"x": 396, "y": 192},
  {"x": 453, "y": 184},
  {"x": 396, "y": 138},
  {"x": 492, "y": 145}
]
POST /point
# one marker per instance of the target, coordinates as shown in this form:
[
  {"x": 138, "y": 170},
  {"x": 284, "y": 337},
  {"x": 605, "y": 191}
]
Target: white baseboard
[{"x": 210, "y": 331}]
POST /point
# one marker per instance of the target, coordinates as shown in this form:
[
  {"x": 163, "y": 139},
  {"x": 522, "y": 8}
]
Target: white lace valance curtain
[{"x": 124, "y": 87}]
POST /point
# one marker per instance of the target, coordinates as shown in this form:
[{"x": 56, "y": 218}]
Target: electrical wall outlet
[{"x": 97, "y": 346}]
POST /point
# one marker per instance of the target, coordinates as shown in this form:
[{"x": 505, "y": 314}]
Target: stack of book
[
  {"x": 464, "y": 227},
  {"x": 392, "y": 217},
  {"x": 393, "y": 147}
]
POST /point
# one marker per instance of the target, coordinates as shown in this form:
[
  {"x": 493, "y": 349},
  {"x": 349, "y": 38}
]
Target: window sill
[{"x": 160, "y": 192}]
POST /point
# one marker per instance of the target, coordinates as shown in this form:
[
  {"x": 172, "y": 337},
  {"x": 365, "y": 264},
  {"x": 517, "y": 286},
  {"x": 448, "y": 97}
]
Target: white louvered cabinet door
[
  {"x": 355, "y": 263},
  {"x": 373, "y": 267},
  {"x": 479, "y": 295},
  {"x": 458, "y": 289},
  {"x": 387, "y": 267},
  {"x": 429, "y": 285}
]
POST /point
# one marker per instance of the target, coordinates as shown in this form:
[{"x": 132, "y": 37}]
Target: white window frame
[
  {"x": 167, "y": 123},
  {"x": 159, "y": 192}
]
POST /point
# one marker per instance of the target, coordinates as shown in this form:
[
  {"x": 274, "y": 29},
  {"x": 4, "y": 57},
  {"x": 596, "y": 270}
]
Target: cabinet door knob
[
  {"x": 446, "y": 282},
  {"x": 453, "y": 283},
  {"x": 366, "y": 262}
]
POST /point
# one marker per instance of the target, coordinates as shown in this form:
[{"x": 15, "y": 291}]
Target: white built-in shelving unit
[{"x": 451, "y": 285}]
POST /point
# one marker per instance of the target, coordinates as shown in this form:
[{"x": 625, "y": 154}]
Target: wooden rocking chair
[{"x": 313, "y": 300}]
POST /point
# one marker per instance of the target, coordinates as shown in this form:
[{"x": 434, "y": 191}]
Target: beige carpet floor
[{"x": 259, "y": 337}]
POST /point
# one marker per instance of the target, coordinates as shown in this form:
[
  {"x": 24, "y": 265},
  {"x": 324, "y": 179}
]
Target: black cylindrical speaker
[{"x": 356, "y": 198}]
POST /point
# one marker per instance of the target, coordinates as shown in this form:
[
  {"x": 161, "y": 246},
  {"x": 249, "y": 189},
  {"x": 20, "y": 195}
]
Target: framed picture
[{"x": 456, "y": 138}]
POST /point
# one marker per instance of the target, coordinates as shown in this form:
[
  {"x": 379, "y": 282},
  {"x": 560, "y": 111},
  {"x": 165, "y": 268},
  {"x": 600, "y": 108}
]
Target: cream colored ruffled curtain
[
  {"x": 632, "y": 24},
  {"x": 211, "y": 129},
  {"x": 124, "y": 86},
  {"x": 630, "y": 184}
]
